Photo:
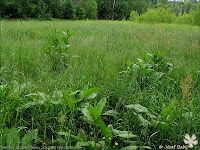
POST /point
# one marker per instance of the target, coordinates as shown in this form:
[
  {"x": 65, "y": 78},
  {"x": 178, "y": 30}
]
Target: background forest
[
  {"x": 135, "y": 10},
  {"x": 99, "y": 74}
]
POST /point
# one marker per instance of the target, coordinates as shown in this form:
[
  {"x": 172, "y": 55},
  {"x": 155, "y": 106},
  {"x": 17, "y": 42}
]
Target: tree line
[{"x": 88, "y": 9}]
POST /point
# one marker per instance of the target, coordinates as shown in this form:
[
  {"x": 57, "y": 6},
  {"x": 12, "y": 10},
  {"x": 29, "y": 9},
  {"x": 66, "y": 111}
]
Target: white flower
[{"x": 191, "y": 141}]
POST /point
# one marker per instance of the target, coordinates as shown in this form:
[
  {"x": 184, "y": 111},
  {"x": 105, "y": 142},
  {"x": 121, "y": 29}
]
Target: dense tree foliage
[
  {"x": 98, "y": 9},
  {"x": 89, "y": 7},
  {"x": 67, "y": 10}
]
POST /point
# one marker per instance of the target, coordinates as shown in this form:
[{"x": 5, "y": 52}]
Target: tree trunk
[{"x": 113, "y": 11}]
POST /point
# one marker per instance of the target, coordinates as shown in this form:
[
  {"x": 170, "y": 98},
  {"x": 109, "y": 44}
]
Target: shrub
[
  {"x": 90, "y": 8},
  {"x": 68, "y": 10},
  {"x": 184, "y": 19},
  {"x": 158, "y": 15},
  {"x": 80, "y": 12},
  {"x": 43, "y": 13},
  {"x": 196, "y": 16},
  {"x": 134, "y": 16}
]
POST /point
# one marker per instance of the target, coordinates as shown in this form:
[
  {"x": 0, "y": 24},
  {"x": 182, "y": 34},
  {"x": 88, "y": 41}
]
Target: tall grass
[{"x": 103, "y": 48}]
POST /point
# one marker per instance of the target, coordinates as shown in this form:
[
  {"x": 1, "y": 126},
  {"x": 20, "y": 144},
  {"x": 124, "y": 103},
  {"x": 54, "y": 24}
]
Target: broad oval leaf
[
  {"x": 130, "y": 148},
  {"x": 113, "y": 113},
  {"x": 82, "y": 135},
  {"x": 13, "y": 138},
  {"x": 29, "y": 137},
  {"x": 101, "y": 104},
  {"x": 127, "y": 135},
  {"x": 89, "y": 92},
  {"x": 138, "y": 108}
]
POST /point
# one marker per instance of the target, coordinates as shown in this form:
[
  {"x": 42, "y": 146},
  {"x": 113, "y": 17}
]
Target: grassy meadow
[{"x": 42, "y": 106}]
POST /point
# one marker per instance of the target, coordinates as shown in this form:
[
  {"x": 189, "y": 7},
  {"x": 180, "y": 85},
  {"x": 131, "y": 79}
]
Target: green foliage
[
  {"x": 90, "y": 92},
  {"x": 104, "y": 9},
  {"x": 167, "y": 15},
  {"x": 90, "y": 9},
  {"x": 148, "y": 10},
  {"x": 101, "y": 104},
  {"x": 134, "y": 16},
  {"x": 11, "y": 9},
  {"x": 67, "y": 10},
  {"x": 13, "y": 139},
  {"x": 159, "y": 15},
  {"x": 41, "y": 102},
  {"x": 121, "y": 11},
  {"x": 196, "y": 16},
  {"x": 80, "y": 12},
  {"x": 148, "y": 120},
  {"x": 141, "y": 6},
  {"x": 95, "y": 113},
  {"x": 43, "y": 12},
  {"x": 58, "y": 47},
  {"x": 149, "y": 70},
  {"x": 121, "y": 134},
  {"x": 31, "y": 135},
  {"x": 184, "y": 19},
  {"x": 168, "y": 110}
]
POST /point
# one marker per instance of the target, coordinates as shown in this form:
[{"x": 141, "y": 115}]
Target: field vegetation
[
  {"x": 151, "y": 11},
  {"x": 98, "y": 84}
]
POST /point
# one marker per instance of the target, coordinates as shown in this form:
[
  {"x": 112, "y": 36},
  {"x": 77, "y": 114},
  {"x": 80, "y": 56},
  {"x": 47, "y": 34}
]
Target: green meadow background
[{"x": 102, "y": 49}]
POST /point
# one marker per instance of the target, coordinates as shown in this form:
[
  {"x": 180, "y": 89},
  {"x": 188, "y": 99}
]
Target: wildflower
[
  {"x": 105, "y": 138},
  {"x": 116, "y": 143},
  {"x": 191, "y": 141}
]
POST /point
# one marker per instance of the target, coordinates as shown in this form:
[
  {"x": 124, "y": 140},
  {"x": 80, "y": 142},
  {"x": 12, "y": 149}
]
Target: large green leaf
[
  {"x": 122, "y": 134},
  {"x": 146, "y": 71},
  {"x": 79, "y": 145},
  {"x": 173, "y": 115},
  {"x": 135, "y": 147},
  {"x": 13, "y": 138},
  {"x": 65, "y": 40},
  {"x": 163, "y": 126},
  {"x": 127, "y": 135},
  {"x": 130, "y": 148},
  {"x": 129, "y": 64},
  {"x": 89, "y": 92},
  {"x": 102, "y": 143},
  {"x": 82, "y": 135},
  {"x": 89, "y": 144},
  {"x": 68, "y": 134},
  {"x": 144, "y": 56},
  {"x": 144, "y": 147},
  {"x": 3, "y": 133},
  {"x": 166, "y": 112},
  {"x": 94, "y": 145},
  {"x": 101, "y": 104},
  {"x": 113, "y": 113},
  {"x": 86, "y": 114},
  {"x": 29, "y": 137},
  {"x": 144, "y": 122},
  {"x": 58, "y": 95},
  {"x": 138, "y": 108},
  {"x": 96, "y": 115}
]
